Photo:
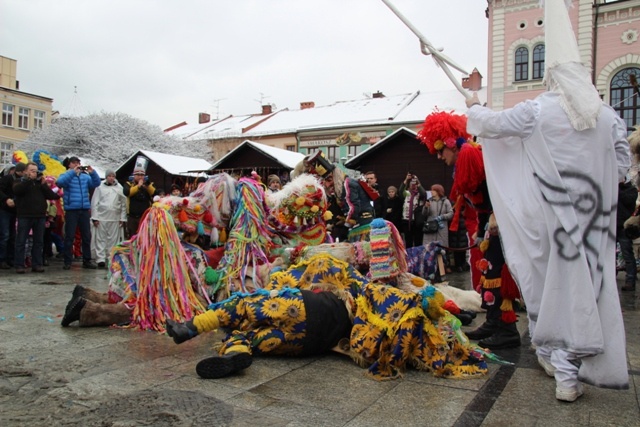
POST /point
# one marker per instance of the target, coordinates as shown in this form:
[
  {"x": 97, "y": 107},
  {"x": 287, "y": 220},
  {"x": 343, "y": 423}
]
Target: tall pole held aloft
[{"x": 441, "y": 60}]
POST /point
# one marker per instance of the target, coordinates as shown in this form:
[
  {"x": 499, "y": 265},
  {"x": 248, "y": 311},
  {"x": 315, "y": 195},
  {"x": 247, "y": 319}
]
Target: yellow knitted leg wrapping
[
  {"x": 207, "y": 321},
  {"x": 237, "y": 348}
]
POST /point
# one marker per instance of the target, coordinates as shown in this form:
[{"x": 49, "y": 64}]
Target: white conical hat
[
  {"x": 564, "y": 71},
  {"x": 560, "y": 41}
]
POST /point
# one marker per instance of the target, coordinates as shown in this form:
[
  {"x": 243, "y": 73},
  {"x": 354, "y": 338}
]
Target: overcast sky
[{"x": 164, "y": 61}]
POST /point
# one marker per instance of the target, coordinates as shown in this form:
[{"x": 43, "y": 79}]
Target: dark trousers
[
  {"x": 132, "y": 226},
  {"x": 7, "y": 236},
  {"x": 81, "y": 219},
  {"x": 48, "y": 243},
  {"x": 36, "y": 226},
  {"x": 412, "y": 236},
  {"x": 630, "y": 268}
]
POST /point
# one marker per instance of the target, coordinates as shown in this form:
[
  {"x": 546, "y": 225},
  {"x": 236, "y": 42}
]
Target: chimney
[
  {"x": 204, "y": 118},
  {"x": 378, "y": 94},
  {"x": 266, "y": 109},
  {"x": 306, "y": 105},
  {"x": 473, "y": 82}
]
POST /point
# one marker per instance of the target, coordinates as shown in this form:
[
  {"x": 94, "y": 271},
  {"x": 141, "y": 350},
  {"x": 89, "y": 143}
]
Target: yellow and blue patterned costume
[{"x": 392, "y": 329}]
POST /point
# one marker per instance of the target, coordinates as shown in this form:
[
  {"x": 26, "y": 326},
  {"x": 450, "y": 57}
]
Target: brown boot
[
  {"x": 90, "y": 294},
  {"x": 94, "y": 314}
]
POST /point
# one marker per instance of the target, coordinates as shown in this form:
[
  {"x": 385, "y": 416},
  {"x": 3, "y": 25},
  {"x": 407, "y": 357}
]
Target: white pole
[{"x": 440, "y": 59}]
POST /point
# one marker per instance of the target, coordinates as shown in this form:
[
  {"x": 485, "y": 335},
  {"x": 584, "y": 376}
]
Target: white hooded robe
[{"x": 554, "y": 193}]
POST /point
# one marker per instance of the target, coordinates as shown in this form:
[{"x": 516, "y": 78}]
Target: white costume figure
[
  {"x": 556, "y": 206},
  {"x": 108, "y": 214}
]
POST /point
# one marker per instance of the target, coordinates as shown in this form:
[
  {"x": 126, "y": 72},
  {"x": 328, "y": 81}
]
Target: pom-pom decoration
[
  {"x": 442, "y": 129},
  {"x": 19, "y": 156},
  {"x": 488, "y": 298}
]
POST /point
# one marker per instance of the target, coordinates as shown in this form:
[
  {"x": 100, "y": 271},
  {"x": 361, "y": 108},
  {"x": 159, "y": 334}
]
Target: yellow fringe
[
  {"x": 491, "y": 283},
  {"x": 506, "y": 305}
]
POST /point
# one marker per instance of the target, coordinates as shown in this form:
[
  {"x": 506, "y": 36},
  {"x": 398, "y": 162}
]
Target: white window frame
[
  {"x": 23, "y": 118},
  {"x": 333, "y": 153},
  {"x": 38, "y": 119},
  {"x": 6, "y": 153},
  {"x": 7, "y": 115}
]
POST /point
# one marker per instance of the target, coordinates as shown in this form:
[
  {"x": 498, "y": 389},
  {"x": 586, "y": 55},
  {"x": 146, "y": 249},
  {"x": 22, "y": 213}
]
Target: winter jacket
[
  {"x": 438, "y": 208},
  {"x": 139, "y": 200},
  {"x": 6, "y": 192},
  {"x": 395, "y": 204},
  {"x": 31, "y": 198},
  {"x": 76, "y": 188}
]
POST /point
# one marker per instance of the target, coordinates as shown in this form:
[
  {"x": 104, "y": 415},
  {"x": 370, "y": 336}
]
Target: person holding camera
[
  {"x": 76, "y": 182},
  {"x": 412, "y": 220},
  {"x": 31, "y": 195},
  {"x": 140, "y": 194}
]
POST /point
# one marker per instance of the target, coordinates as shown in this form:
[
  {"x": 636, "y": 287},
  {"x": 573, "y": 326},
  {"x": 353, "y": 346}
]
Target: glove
[
  {"x": 478, "y": 240},
  {"x": 439, "y": 218},
  {"x": 440, "y": 224}
]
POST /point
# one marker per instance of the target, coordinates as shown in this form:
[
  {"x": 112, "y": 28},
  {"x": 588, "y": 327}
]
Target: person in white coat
[
  {"x": 108, "y": 217},
  {"x": 556, "y": 205}
]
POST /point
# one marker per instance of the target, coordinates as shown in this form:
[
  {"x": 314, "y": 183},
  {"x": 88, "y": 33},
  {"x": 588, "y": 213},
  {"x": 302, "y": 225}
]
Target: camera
[{"x": 83, "y": 168}]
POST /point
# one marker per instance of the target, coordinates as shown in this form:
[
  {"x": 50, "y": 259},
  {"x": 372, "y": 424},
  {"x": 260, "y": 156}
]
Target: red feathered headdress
[{"x": 442, "y": 129}]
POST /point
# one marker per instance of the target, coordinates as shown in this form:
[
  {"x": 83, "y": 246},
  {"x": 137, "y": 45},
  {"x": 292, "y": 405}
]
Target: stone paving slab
[{"x": 51, "y": 375}]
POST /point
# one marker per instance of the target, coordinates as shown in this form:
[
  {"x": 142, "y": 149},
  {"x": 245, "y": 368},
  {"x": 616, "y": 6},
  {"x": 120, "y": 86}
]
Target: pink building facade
[{"x": 607, "y": 34}]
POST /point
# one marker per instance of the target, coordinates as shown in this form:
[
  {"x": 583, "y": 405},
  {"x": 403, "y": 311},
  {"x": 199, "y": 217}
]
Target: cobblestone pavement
[{"x": 52, "y": 376}]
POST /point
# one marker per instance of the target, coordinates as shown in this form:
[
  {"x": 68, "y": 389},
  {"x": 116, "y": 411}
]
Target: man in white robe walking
[
  {"x": 108, "y": 217},
  {"x": 556, "y": 206}
]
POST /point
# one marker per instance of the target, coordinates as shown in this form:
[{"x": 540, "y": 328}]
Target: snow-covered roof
[
  {"x": 229, "y": 127},
  {"x": 172, "y": 164},
  {"x": 340, "y": 114},
  {"x": 286, "y": 158},
  {"x": 408, "y": 108}
]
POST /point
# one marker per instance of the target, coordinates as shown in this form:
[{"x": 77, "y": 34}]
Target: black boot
[
  {"x": 223, "y": 366},
  {"x": 78, "y": 291},
  {"x": 181, "y": 332},
  {"x": 471, "y": 314},
  {"x": 72, "y": 312},
  {"x": 488, "y": 328},
  {"x": 464, "y": 318},
  {"x": 507, "y": 336}
]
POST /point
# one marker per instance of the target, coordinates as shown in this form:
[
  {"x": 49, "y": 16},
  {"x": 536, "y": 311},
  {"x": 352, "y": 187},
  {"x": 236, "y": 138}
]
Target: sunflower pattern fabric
[
  {"x": 394, "y": 330},
  {"x": 322, "y": 272},
  {"x": 264, "y": 322}
]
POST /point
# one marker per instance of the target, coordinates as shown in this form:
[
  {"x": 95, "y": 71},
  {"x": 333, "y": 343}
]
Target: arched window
[
  {"x": 624, "y": 97},
  {"x": 522, "y": 64},
  {"x": 538, "y": 62}
]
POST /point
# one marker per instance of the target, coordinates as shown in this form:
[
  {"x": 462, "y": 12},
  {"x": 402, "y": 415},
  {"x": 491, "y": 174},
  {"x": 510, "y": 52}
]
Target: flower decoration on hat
[
  {"x": 443, "y": 129},
  {"x": 301, "y": 202}
]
